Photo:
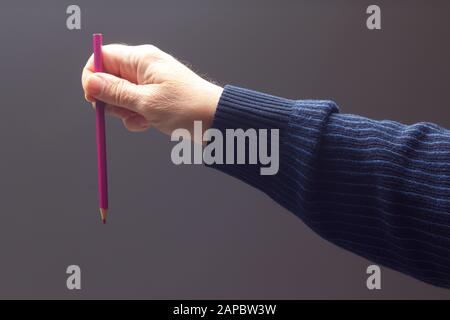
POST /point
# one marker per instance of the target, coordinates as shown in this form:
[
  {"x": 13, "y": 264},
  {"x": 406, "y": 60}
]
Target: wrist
[{"x": 212, "y": 97}]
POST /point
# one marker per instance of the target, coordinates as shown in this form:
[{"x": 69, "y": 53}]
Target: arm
[{"x": 380, "y": 189}]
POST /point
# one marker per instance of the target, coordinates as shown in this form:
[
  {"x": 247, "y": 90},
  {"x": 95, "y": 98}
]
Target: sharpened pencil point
[{"x": 103, "y": 213}]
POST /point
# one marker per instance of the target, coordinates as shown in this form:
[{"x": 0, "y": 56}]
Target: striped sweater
[{"x": 380, "y": 189}]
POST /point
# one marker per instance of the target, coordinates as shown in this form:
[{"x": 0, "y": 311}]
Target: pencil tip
[{"x": 103, "y": 213}]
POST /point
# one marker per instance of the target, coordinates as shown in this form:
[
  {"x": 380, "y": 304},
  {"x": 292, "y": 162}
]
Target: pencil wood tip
[{"x": 103, "y": 213}]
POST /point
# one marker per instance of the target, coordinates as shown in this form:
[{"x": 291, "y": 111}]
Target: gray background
[{"x": 191, "y": 231}]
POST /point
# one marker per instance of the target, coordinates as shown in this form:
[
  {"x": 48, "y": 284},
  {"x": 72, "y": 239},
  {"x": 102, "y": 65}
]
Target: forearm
[{"x": 378, "y": 188}]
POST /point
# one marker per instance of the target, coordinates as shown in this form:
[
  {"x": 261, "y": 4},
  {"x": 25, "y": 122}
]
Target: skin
[{"x": 146, "y": 87}]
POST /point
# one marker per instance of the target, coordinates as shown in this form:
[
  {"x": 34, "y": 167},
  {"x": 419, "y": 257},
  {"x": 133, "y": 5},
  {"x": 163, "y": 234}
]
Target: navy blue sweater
[{"x": 380, "y": 189}]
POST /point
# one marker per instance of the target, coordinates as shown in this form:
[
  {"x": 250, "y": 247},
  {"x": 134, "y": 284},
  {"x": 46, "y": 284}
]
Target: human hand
[{"x": 146, "y": 87}]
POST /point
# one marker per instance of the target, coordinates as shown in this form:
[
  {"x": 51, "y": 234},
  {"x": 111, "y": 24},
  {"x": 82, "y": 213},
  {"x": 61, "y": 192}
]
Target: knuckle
[
  {"x": 151, "y": 51},
  {"x": 150, "y": 48},
  {"x": 119, "y": 91},
  {"x": 127, "y": 125},
  {"x": 144, "y": 101}
]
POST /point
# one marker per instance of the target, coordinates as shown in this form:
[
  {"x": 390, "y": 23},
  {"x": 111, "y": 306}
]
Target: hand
[{"x": 146, "y": 87}]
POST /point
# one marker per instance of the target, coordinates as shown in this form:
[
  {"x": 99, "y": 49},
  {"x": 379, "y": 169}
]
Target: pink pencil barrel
[{"x": 100, "y": 128}]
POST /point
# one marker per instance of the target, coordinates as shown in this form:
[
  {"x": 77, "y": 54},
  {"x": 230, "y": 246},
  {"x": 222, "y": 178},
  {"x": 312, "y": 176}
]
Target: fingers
[
  {"x": 118, "y": 112},
  {"x": 116, "y": 91},
  {"x": 132, "y": 121},
  {"x": 116, "y": 61},
  {"x": 136, "y": 123},
  {"x": 117, "y": 86},
  {"x": 124, "y": 61}
]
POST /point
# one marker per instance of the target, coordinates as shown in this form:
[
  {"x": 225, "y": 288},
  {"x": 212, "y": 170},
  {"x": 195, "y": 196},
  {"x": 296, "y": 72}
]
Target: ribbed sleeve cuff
[{"x": 243, "y": 108}]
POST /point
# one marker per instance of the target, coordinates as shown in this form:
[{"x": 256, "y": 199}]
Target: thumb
[{"x": 115, "y": 91}]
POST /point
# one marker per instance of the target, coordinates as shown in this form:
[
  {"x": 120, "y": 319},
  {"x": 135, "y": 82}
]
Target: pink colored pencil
[{"x": 100, "y": 133}]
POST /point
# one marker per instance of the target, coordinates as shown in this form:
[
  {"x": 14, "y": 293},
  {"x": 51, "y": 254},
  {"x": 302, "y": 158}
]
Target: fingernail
[
  {"x": 95, "y": 85},
  {"x": 142, "y": 122},
  {"x": 89, "y": 98}
]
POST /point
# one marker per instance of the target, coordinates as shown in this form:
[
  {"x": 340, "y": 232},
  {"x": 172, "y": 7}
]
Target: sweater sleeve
[{"x": 380, "y": 189}]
